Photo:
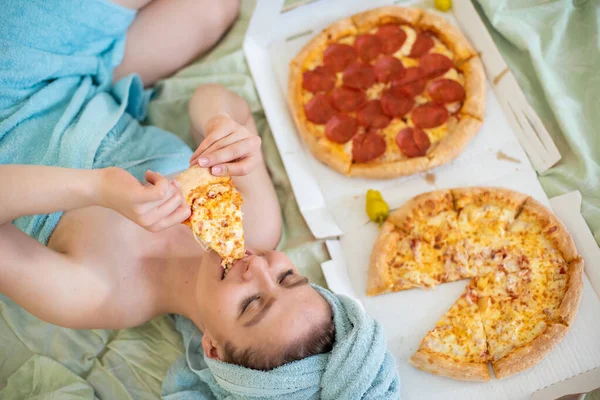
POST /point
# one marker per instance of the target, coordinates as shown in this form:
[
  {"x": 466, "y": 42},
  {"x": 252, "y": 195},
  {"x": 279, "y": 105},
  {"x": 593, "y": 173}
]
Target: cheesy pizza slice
[
  {"x": 216, "y": 218},
  {"x": 456, "y": 347}
]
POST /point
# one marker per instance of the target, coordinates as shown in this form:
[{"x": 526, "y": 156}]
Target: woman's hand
[
  {"x": 228, "y": 148},
  {"x": 156, "y": 206}
]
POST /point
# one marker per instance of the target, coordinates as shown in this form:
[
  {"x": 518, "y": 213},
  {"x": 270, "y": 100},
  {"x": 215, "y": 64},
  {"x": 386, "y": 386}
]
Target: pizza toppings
[
  {"x": 388, "y": 68},
  {"x": 371, "y": 115},
  {"x": 368, "y": 47},
  {"x": 338, "y": 56},
  {"x": 348, "y": 99},
  {"x": 359, "y": 76},
  {"x": 392, "y": 38},
  {"x": 320, "y": 79},
  {"x": 520, "y": 300},
  {"x": 422, "y": 45},
  {"x": 319, "y": 109},
  {"x": 411, "y": 84},
  {"x": 428, "y": 116},
  {"x": 341, "y": 128},
  {"x": 413, "y": 142},
  {"x": 446, "y": 91},
  {"x": 367, "y": 147},
  {"x": 395, "y": 106},
  {"x": 433, "y": 65}
]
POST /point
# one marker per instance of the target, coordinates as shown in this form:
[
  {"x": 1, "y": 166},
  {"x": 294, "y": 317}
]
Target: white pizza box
[{"x": 333, "y": 205}]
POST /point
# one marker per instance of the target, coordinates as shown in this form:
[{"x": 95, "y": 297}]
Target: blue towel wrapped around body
[
  {"x": 57, "y": 103},
  {"x": 358, "y": 367}
]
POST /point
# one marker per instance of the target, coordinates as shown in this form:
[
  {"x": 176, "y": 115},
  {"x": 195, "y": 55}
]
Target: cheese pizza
[
  {"x": 526, "y": 277},
  {"x": 216, "y": 218},
  {"x": 388, "y": 92}
]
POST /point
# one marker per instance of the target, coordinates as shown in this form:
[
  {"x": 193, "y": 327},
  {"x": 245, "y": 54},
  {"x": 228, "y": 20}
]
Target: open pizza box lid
[{"x": 508, "y": 150}]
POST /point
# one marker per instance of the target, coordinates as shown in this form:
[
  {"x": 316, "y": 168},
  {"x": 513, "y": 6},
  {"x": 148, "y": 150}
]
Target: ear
[{"x": 210, "y": 347}]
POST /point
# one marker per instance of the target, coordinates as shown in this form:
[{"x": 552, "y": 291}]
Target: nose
[{"x": 256, "y": 268}]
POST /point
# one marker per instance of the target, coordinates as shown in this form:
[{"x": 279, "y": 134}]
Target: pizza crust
[
  {"x": 191, "y": 182},
  {"x": 421, "y": 206},
  {"x": 378, "y": 281},
  {"x": 570, "y": 303},
  {"x": 390, "y": 170},
  {"x": 445, "y": 366},
  {"x": 367, "y": 20},
  {"x": 552, "y": 228},
  {"x": 474, "y": 75},
  {"x": 448, "y": 34},
  {"x": 480, "y": 196},
  {"x": 454, "y": 143},
  {"x": 530, "y": 354}
]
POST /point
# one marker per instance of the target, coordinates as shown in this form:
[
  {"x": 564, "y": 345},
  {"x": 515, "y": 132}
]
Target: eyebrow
[{"x": 263, "y": 311}]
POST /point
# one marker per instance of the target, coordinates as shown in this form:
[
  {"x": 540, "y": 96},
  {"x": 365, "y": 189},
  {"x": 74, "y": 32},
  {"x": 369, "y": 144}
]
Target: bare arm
[
  {"x": 30, "y": 190},
  {"x": 262, "y": 214}
]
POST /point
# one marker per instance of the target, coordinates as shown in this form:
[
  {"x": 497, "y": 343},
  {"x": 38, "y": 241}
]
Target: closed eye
[
  {"x": 284, "y": 275},
  {"x": 247, "y": 302}
]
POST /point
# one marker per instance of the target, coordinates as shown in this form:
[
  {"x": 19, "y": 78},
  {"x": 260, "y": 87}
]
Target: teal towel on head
[
  {"x": 358, "y": 367},
  {"x": 57, "y": 103}
]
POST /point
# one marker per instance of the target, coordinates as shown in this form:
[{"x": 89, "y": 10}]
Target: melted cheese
[
  {"x": 217, "y": 220},
  {"x": 411, "y": 37},
  {"x": 459, "y": 333},
  {"x": 375, "y": 91}
]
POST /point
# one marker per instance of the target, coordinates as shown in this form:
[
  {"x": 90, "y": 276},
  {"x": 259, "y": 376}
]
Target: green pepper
[{"x": 376, "y": 208}]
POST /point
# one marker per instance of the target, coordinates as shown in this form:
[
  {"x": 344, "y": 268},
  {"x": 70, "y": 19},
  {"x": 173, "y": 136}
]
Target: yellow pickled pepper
[
  {"x": 443, "y": 5},
  {"x": 377, "y": 209}
]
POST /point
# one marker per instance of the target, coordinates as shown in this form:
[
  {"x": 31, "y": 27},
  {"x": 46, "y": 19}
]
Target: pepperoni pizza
[
  {"x": 388, "y": 92},
  {"x": 526, "y": 277}
]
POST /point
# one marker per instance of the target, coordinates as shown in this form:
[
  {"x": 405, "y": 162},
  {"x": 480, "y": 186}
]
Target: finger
[
  {"x": 144, "y": 206},
  {"x": 239, "y": 168},
  {"x": 180, "y": 214},
  {"x": 159, "y": 188},
  {"x": 233, "y": 152},
  {"x": 170, "y": 205},
  {"x": 217, "y": 130},
  {"x": 237, "y": 136}
]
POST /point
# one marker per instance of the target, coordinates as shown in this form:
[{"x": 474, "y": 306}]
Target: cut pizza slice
[
  {"x": 484, "y": 216},
  {"x": 456, "y": 347},
  {"x": 403, "y": 261},
  {"x": 526, "y": 312},
  {"x": 216, "y": 218},
  {"x": 431, "y": 218}
]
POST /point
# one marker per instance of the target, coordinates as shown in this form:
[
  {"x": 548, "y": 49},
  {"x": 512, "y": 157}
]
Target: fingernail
[
  {"x": 176, "y": 184},
  {"x": 216, "y": 170},
  {"x": 202, "y": 162}
]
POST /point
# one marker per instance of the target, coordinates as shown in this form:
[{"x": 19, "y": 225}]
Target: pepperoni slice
[
  {"x": 395, "y": 106},
  {"x": 320, "y": 79},
  {"x": 433, "y": 64},
  {"x": 319, "y": 109},
  {"x": 371, "y": 115},
  {"x": 429, "y": 115},
  {"x": 392, "y": 38},
  {"x": 422, "y": 45},
  {"x": 388, "y": 68},
  {"x": 368, "y": 47},
  {"x": 411, "y": 84},
  {"x": 446, "y": 91},
  {"x": 359, "y": 75},
  {"x": 413, "y": 142},
  {"x": 340, "y": 128},
  {"x": 338, "y": 56},
  {"x": 367, "y": 147},
  {"x": 348, "y": 99}
]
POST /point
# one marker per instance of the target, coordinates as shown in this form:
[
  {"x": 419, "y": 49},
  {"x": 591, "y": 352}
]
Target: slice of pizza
[
  {"x": 526, "y": 312},
  {"x": 484, "y": 216},
  {"x": 216, "y": 218},
  {"x": 431, "y": 218},
  {"x": 456, "y": 347}
]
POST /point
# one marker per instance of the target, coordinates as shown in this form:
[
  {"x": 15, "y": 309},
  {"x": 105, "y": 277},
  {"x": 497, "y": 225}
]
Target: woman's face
[{"x": 262, "y": 303}]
